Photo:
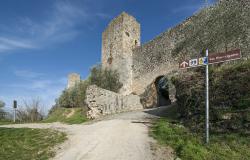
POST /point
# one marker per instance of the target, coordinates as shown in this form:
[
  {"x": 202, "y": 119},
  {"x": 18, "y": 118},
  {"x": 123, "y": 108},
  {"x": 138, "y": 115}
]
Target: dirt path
[{"x": 119, "y": 137}]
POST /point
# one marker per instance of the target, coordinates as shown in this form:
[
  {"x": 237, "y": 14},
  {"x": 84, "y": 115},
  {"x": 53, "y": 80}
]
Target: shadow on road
[{"x": 159, "y": 111}]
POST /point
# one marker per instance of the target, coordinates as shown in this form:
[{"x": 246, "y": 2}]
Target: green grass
[
  {"x": 27, "y": 144},
  {"x": 60, "y": 115},
  {"x": 189, "y": 146},
  {"x": 4, "y": 122}
]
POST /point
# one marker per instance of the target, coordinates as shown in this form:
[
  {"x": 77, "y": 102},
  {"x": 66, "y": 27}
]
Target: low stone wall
[{"x": 103, "y": 102}]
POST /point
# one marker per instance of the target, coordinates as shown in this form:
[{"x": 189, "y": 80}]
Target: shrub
[
  {"x": 2, "y": 104},
  {"x": 229, "y": 97},
  {"x": 30, "y": 111},
  {"x": 104, "y": 78},
  {"x": 74, "y": 97}
]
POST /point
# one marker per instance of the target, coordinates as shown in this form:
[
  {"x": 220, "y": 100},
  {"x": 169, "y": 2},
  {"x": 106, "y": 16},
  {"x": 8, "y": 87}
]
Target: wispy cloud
[
  {"x": 61, "y": 24},
  {"x": 192, "y": 7},
  {"x": 8, "y": 43},
  {"x": 33, "y": 85},
  {"x": 103, "y": 15},
  {"x": 27, "y": 74},
  {"x": 187, "y": 8}
]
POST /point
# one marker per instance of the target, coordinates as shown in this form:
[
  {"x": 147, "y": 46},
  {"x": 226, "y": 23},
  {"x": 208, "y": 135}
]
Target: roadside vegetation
[
  {"x": 25, "y": 143},
  {"x": 190, "y": 146},
  {"x": 27, "y": 112},
  {"x": 103, "y": 78},
  {"x": 67, "y": 115},
  {"x": 3, "y": 119},
  {"x": 73, "y": 99},
  {"x": 183, "y": 128},
  {"x": 229, "y": 98}
]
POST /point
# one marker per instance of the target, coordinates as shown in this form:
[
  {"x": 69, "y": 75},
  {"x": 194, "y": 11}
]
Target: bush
[
  {"x": 2, "y": 104},
  {"x": 229, "y": 97},
  {"x": 103, "y": 78},
  {"x": 2, "y": 113},
  {"x": 73, "y": 97},
  {"x": 30, "y": 111}
]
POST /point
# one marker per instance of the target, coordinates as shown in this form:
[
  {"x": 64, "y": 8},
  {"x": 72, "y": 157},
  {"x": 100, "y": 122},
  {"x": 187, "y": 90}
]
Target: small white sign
[{"x": 193, "y": 62}]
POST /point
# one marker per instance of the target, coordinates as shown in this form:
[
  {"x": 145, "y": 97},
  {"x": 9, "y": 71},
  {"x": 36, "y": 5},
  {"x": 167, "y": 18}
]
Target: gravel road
[{"x": 118, "y": 137}]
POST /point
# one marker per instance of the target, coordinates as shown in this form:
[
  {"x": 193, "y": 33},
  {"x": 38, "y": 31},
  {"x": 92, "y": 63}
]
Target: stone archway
[
  {"x": 162, "y": 89},
  {"x": 157, "y": 93}
]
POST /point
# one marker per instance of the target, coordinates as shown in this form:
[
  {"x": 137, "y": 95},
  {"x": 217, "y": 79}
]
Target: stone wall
[
  {"x": 103, "y": 102},
  {"x": 220, "y": 28}
]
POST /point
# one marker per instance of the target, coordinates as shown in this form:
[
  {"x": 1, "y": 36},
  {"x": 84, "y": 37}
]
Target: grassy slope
[
  {"x": 189, "y": 146},
  {"x": 24, "y": 143},
  {"x": 4, "y": 122},
  {"x": 60, "y": 115}
]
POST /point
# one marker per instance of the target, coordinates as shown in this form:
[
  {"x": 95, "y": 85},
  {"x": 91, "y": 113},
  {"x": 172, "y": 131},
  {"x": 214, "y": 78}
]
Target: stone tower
[
  {"x": 73, "y": 79},
  {"x": 118, "y": 41}
]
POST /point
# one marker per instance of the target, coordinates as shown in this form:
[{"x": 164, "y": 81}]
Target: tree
[
  {"x": 75, "y": 96},
  {"x": 105, "y": 78},
  {"x": 2, "y": 104},
  {"x": 30, "y": 111}
]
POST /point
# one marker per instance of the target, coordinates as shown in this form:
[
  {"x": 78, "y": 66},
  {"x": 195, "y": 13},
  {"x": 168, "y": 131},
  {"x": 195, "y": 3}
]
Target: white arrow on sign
[{"x": 184, "y": 64}]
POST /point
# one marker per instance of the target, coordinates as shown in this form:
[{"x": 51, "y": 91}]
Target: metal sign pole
[
  {"x": 205, "y": 61},
  {"x": 207, "y": 100},
  {"x": 14, "y": 107},
  {"x": 14, "y": 115}
]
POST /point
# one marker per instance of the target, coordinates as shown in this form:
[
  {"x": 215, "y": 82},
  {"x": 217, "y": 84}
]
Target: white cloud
[
  {"x": 27, "y": 74},
  {"x": 103, "y": 15},
  {"x": 192, "y": 7},
  {"x": 47, "y": 90},
  {"x": 186, "y": 8},
  {"x": 31, "y": 85},
  {"x": 8, "y": 43},
  {"x": 61, "y": 24}
]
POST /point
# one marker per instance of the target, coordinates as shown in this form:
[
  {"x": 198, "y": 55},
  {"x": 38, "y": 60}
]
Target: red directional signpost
[
  {"x": 205, "y": 61},
  {"x": 212, "y": 58},
  {"x": 226, "y": 56}
]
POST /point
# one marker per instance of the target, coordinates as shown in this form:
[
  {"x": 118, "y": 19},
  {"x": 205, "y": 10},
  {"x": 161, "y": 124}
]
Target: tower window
[
  {"x": 127, "y": 34},
  {"x": 110, "y": 59},
  {"x": 136, "y": 42}
]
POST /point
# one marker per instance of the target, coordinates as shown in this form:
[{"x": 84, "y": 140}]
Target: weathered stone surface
[
  {"x": 103, "y": 102},
  {"x": 222, "y": 27},
  {"x": 73, "y": 79},
  {"x": 119, "y": 38}
]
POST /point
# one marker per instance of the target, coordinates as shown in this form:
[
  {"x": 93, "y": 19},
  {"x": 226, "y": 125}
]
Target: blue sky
[{"x": 41, "y": 41}]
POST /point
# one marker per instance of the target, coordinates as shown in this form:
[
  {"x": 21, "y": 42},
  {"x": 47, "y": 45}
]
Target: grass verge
[
  {"x": 4, "y": 122},
  {"x": 67, "y": 115},
  {"x": 25, "y": 143},
  {"x": 189, "y": 146}
]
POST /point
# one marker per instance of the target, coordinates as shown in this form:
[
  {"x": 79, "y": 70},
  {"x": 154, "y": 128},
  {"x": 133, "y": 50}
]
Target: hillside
[
  {"x": 67, "y": 115},
  {"x": 229, "y": 98}
]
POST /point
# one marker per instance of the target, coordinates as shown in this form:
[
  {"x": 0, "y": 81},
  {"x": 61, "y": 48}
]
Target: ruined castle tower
[
  {"x": 118, "y": 41},
  {"x": 73, "y": 79}
]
